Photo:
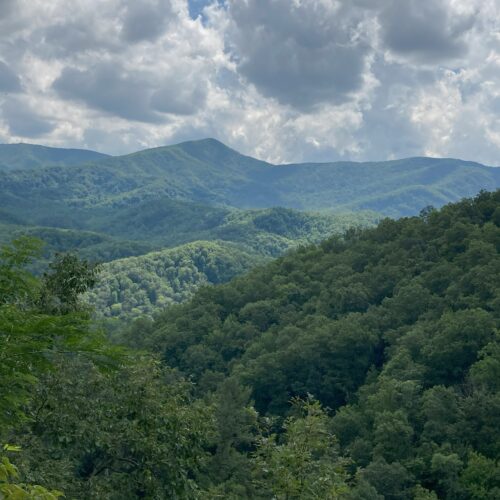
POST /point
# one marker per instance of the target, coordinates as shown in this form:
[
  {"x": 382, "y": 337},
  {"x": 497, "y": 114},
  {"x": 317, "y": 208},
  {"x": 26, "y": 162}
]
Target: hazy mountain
[
  {"x": 208, "y": 172},
  {"x": 29, "y": 156}
]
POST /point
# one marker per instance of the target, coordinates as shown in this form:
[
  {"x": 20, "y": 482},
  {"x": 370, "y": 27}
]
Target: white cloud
[{"x": 282, "y": 80}]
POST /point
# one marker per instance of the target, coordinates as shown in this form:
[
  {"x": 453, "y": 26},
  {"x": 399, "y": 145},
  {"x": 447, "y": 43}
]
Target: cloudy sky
[{"x": 283, "y": 80}]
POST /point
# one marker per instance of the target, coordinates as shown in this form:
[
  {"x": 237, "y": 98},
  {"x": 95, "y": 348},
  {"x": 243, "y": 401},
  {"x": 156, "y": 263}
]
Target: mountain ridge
[
  {"x": 25, "y": 156},
  {"x": 208, "y": 172},
  {"x": 218, "y": 143}
]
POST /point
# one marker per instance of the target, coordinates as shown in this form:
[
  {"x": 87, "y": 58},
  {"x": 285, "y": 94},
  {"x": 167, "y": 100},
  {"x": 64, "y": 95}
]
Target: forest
[{"x": 366, "y": 366}]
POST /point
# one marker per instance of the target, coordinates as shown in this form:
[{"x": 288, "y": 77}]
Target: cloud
[
  {"x": 131, "y": 94},
  {"x": 300, "y": 53},
  {"x": 284, "y": 80},
  {"x": 109, "y": 88},
  {"x": 23, "y": 121},
  {"x": 176, "y": 98},
  {"x": 146, "y": 19},
  {"x": 428, "y": 30},
  {"x": 6, "y": 8},
  {"x": 9, "y": 81},
  {"x": 70, "y": 38}
]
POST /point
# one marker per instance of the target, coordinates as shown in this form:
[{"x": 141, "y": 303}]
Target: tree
[
  {"x": 31, "y": 339},
  {"x": 12, "y": 489},
  {"x": 135, "y": 432},
  {"x": 304, "y": 463},
  {"x": 31, "y": 336},
  {"x": 67, "y": 279}
]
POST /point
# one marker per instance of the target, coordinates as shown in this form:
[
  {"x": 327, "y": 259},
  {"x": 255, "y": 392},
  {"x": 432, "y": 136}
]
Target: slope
[
  {"x": 207, "y": 172},
  {"x": 394, "y": 328},
  {"x": 144, "y": 285},
  {"x": 31, "y": 156},
  {"x": 138, "y": 286}
]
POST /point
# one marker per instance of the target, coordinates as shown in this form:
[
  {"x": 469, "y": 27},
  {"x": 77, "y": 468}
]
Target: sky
[{"x": 281, "y": 80}]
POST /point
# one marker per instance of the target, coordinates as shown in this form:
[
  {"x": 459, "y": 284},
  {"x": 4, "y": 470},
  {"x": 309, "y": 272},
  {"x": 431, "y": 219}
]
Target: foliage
[
  {"x": 138, "y": 286},
  {"x": 395, "y": 328},
  {"x": 130, "y": 433},
  {"x": 304, "y": 464},
  {"x": 67, "y": 279},
  {"x": 385, "y": 340},
  {"x": 31, "y": 157},
  {"x": 30, "y": 333},
  {"x": 144, "y": 285},
  {"x": 11, "y": 489},
  {"x": 207, "y": 172}
]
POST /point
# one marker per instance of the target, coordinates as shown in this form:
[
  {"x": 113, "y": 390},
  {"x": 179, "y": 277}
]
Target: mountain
[
  {"x": 210, "y": 173},
  {"x": 143, "y": 285},
  {"x": 90, "y": 245},
  {"x": 107, "y": 232},
  {"x": 394, "y": 188},
  {"x": 149, "y": 240},
  {"x": 393, "y": 328},
  {"x": 31, "y": 156}
]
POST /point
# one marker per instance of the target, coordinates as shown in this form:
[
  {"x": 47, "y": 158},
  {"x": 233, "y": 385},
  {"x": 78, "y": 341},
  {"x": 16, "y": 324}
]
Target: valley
[{"x": 179, "y": 324}]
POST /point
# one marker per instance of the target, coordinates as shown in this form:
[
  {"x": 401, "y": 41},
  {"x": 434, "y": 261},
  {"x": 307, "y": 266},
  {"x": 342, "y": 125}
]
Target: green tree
[
  {"x": 304, "y": 462},
  {"x": 135, "y": 432},
  {"x": 68, "y": 278}
]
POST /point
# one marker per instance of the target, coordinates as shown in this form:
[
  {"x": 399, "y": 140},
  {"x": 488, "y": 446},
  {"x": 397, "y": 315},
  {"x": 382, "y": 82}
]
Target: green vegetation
[
  {"x": 138, "y": 286},
  {"x": 227, "y": 242},
  {"x": 30, "y": 156},
  {"x": 364, "y": 367},
  {"x": 96, "y": 247},
  {"x": 395, "y": 329},
  {"x": 144, "y": 285},
  {"x": 100, "y": 423},
  {"x": 109, "y": 233},
  {"x": 209, "y": 173}
]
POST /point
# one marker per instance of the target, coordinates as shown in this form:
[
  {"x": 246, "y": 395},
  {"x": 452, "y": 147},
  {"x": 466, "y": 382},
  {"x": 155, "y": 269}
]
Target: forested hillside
[
  {"x": 144, "y": 285},
  {"x": 365, "y": 367},
  {"x": 148, "y": 282},
  {"x": 209, "y": 173},
  {"x": 30, "y": 156},
  {"x": 395, "y": 329}
]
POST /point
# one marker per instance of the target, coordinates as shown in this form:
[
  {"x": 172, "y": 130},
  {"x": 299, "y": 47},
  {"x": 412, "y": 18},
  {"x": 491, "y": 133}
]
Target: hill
[
  {"x": 209, "y": 173},
  {"x": 30, "y": 156},
  {"x": 93, "y": 246},
  {"x": 144, "y": 285},
  {"x": 394, "y": 328},
  {"x": 365, "y": 367},
  {"x": 112, "y": 234},
  {"x": 105, "y": 233}
]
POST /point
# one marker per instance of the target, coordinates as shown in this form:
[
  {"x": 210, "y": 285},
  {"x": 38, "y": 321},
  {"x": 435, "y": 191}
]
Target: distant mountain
[
  {"x": 161, "y": 251},
  {"x": 163, "y": 222},
  {"x": 30, "y": 156},
  {"x": 130, "y": 287},
  {"x": 210, "y": 173}
]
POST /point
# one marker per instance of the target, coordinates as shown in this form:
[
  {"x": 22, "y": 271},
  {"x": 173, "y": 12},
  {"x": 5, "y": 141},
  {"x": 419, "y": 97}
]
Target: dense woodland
[
  {"x": 364, "y": 367},
  {"x": 39, "y": 188},
  {"x": 145, "y": 284},
  {"x": 175, "y": 247}
]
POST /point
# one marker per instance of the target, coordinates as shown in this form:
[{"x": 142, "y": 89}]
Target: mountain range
[
  {"x": 208, "y": 172},
  {"x": 237, "y": 211}
]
